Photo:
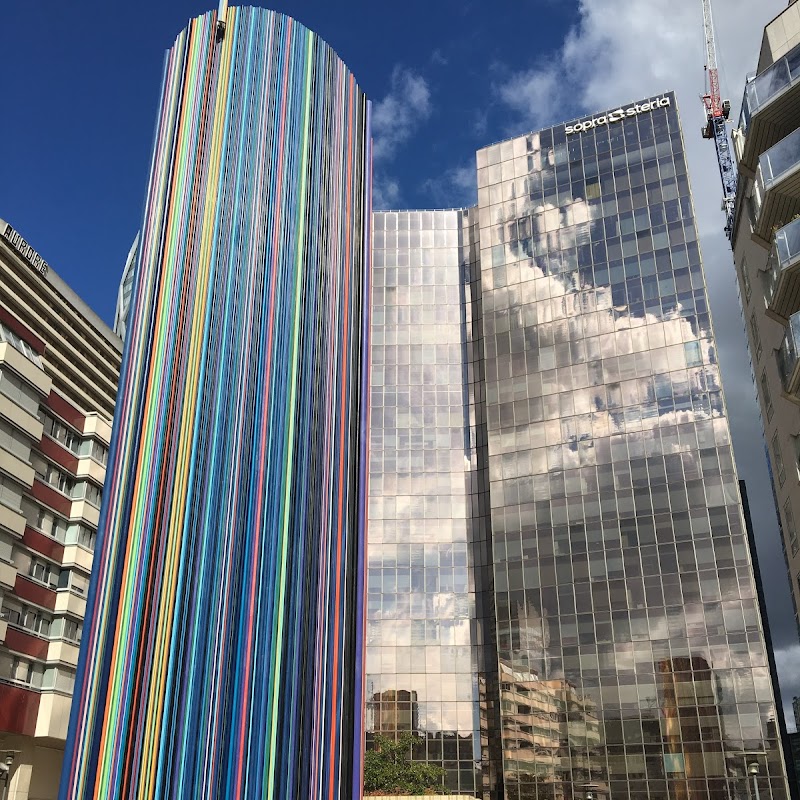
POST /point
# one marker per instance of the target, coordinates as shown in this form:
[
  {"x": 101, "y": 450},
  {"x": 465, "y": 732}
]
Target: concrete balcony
[
  {"x": 776, "y": 189},
  {"x": 63, "y": 651},
  {"x": 98, "y": 427},
  {"x": 16, "y": 468},
  {"x": 8, "y": 575},
  {"x": 770, "y": 109},
  {"x": 89, "y": 468},
  {"x": 22, "y": 418},
  {"x": 3, "y": 630},
  {"x": 53, "y": 718},
  {"x": 782, "y": 293},
  {"x": 12, "y": 520},
  {"x": 789, "y": 359},
  {"x": 76, "y": 556},
  {"x": 25, "y": 368},
  {"x": 69, "y": 603},
  {"x": 83, "y": 510}
]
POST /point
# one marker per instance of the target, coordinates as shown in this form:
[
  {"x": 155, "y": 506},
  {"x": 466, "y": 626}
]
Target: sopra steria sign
[
  {"x": 610, "y": 117},
  {"x": 24, "y": 249}
]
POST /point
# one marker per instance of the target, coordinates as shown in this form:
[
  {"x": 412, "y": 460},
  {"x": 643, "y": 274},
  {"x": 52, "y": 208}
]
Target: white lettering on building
[
  {"x": 25, "y": 250},
  {"x": 618, "y": 115}
]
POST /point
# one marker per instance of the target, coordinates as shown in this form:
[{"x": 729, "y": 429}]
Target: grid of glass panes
[
  {"x": 429, "y": 576},
  {"x": 632, "y": 659}
]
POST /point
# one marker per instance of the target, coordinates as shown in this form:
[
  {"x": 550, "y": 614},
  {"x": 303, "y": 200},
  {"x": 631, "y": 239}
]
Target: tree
[{"x": 388, "y": 769}]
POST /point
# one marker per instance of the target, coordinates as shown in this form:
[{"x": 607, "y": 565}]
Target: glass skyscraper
[
  {"x": 431, "y": 661},
  {"x": 560, "y": 595}
]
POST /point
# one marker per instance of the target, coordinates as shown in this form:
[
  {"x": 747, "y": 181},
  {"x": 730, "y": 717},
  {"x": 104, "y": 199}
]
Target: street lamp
[
  {"x": 5, "y": 773},
  {"x": 753, "y": 769}
]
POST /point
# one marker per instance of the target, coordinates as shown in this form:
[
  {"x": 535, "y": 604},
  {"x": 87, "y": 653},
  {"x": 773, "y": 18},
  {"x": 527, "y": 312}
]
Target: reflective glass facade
[
  {"x": 431, "y": 663},
  {"x": 630, "y": 646},
  {"x": 617, "y": 629}
]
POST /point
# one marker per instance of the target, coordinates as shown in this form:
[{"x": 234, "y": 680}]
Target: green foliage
[{"x": 387, "y": 769}]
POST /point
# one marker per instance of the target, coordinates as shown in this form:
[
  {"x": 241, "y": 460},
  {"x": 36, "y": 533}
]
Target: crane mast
[{"x": 717, "y": 113}]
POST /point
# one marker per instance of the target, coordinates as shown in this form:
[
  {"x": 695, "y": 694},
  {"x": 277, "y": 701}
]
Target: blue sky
[
  {"x": 81, "y": 82},
  {"x": 83, "y": 88}
]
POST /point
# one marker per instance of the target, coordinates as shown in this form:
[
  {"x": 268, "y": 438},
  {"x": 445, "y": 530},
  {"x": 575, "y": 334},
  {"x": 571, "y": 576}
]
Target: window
[
  {"x": 59, "y": 480},
  {"x": 766, "y": 396},
  {"x": 58, "y": 678},
  {"x": 95, "y": 450},
  {"x": 14, "y": 441},
  {"x": 57, "y": 430},
  {"x": 82, "y": 535},
  {"x": 791, "y": 529},
  {"x": 31, "y": 619},
  {"x": 6, "y": 550},
  {"x": 72, "y": 630},
  {"x": 777, "y": 459},
  {"x": 50, "y": 474},
  {"x": 756, "y": 337},
  {"x": 747, "y": 289},
  {"x": 50, "y": 524},
  {"x": 7, "y": 335},
  {"x": 15, "y": 669},
  {"x": 10, "y": 494},
  {"x": 44, "y": 572},
  {"x": 87, "y": 537},
  {"x": 67, "y": 628},
  {"x": 20, "y": 392},
  {"x": 74, "y": 581},
  {"x": 89, "y": 492},
  {"x": 100, "y": 453}
]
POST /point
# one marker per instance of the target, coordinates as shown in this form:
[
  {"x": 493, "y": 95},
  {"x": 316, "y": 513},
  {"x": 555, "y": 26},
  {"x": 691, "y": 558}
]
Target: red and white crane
[{"x": 717, "y": 113}]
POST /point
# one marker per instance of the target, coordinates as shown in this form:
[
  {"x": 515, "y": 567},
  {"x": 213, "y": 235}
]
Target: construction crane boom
[{"x": 717, "y": 113}]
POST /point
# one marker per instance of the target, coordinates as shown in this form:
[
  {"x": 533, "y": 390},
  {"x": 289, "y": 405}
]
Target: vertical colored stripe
[{"x": 225, "y": 621}]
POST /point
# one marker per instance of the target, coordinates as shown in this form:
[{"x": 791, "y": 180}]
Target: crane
[{"x": 717, "y": 113}]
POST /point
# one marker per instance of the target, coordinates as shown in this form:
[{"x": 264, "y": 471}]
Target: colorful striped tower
[{"x": 226, "y": 605}]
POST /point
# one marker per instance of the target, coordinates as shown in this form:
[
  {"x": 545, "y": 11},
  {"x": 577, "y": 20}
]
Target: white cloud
[
  {"x": 622, "y": 50},
  {"x": 396, "y": 117},
  {"x": 385, "y": 192},
  {"x": 454, "y": 187},
  {"x": 533, "y": 94}
]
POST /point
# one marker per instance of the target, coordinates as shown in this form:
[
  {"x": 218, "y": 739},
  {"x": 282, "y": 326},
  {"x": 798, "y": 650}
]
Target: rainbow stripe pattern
[{"x": 222, "y": 653}]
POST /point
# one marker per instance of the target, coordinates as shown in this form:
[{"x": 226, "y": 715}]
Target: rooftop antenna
[{"x": 222, "y": 18}]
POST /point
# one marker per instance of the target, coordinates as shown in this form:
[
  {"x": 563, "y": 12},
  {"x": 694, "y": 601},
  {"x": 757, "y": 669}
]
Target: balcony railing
[
  {"x": 764, "y": 88},
  {"x": 788, "y": 358},
  {"x": 776, "y": 191},
  {"x": 763, "y": 120},
  {"x": 781, "y": 279},
  {"x": 780, "y": 159}
]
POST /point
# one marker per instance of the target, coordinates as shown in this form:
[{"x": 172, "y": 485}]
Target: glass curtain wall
[
  {"x": 431, "y": 662},
  {"x": 631, "y": 654}
]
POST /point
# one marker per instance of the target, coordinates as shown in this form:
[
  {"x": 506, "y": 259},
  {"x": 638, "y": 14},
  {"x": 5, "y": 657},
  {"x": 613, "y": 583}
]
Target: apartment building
[
  {"x": 59, "y": 366},
  {"x": 766, "y": 244}
]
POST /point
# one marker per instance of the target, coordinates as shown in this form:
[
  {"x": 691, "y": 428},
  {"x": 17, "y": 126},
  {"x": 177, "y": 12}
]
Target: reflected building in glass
[
  {"x": 431, "y": 660},
  {"x": 560, "y": 592}
]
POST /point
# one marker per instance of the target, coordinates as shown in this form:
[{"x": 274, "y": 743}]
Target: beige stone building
[
  {"x": 59, "y": 367},
  {"x": 766, "y": 244}
]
